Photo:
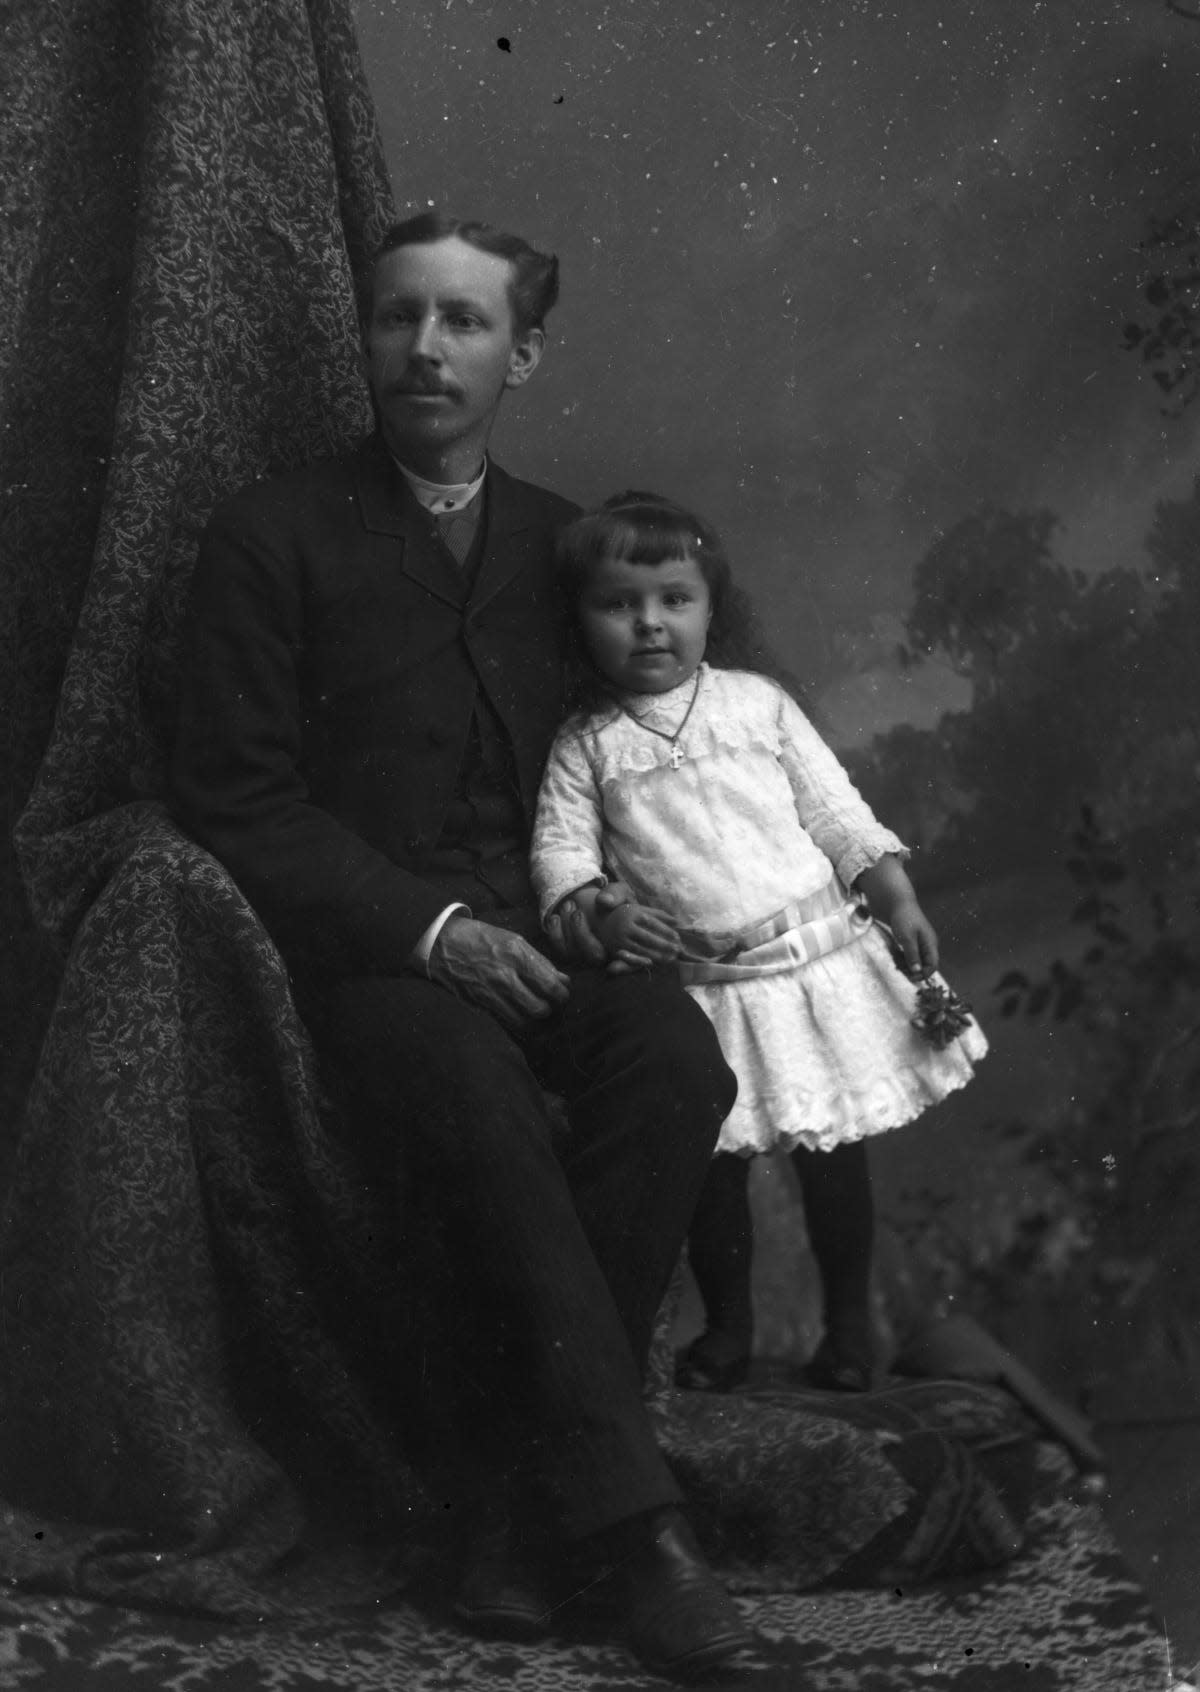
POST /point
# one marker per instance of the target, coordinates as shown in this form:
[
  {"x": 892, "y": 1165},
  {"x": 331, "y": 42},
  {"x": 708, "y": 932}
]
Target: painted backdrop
[
  {"x": 857, "y": 280},
  {"x": 837, "y": 273}
]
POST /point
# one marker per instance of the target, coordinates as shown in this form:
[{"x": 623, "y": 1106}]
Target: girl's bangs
[{"x": 644, "y": 534}]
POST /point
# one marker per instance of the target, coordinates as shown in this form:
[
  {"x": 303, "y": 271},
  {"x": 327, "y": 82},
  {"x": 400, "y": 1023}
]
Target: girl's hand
[
  {"x": 571, "y": 934},
  {"x": 572, "y": 927},
  {"x": 638, "y": 935},
  {"x": 916, "y": 938},
  {"x": 891, "y": 899},
  {"x": 609, "y": 897}
]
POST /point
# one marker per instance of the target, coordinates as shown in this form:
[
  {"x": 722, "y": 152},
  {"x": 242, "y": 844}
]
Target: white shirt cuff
[{"x": 423, "y": 949}]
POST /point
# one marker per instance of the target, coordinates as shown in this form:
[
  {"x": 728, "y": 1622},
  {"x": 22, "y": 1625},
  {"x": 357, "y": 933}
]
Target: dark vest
[{"x": 481, "y": 856}]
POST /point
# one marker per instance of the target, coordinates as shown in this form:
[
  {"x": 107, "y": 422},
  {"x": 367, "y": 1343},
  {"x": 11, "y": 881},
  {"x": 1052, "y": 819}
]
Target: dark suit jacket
[{"x": 328, "y": 683}]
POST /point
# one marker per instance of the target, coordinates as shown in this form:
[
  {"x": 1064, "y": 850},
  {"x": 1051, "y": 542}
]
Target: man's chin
[
  {"x": 418, "y": 415},
  {"x": 415, "y": 427}
]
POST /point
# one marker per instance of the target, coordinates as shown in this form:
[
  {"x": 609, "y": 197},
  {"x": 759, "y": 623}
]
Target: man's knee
[
  {"x": 648, "y": 1023},
  {"x": 686, "y": 1045},
  {"x": 426, "y": 1059}
]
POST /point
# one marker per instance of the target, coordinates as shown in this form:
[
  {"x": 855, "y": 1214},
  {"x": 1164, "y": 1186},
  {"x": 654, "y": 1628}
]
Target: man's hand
[
  {"x": 496, "y": 970},
  {"x": 571, "y": 926},
  {"x": 638, "y": 935}
]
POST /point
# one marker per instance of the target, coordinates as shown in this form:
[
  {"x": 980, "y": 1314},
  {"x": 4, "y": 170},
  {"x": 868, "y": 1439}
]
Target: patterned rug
[{"x": 1065, "y": 1616}]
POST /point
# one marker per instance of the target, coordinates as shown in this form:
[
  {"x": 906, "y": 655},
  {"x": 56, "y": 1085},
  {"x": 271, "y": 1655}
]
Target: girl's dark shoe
[
  {"x": 713, "y": 1363},
  {"x": 832, "y": 1369}
]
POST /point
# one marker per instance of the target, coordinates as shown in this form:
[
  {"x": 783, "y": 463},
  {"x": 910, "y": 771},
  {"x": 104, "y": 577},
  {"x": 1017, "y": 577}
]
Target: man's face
[{"x": 441, "y": 349}]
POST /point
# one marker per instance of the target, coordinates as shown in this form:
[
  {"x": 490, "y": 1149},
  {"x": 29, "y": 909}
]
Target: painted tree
[
  {"x": 1047, "y": 729},
  {"x": 1167, "y": 332}
]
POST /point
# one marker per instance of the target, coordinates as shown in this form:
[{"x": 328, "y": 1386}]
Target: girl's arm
[
  {"x": 587, "y": 920},
  {"x": 891, "y": 898},
  {"x": 833, "y": 812},
  {"x": 567, "y": 848},
  {"x": 865, "y": 854},
  {"x": 566, "y": 852}
]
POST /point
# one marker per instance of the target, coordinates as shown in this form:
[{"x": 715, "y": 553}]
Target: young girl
[{"x": 691, "y": 777}]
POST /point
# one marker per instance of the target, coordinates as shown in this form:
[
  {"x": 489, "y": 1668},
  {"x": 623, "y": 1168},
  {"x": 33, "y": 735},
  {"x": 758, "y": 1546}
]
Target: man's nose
[{"x": 427, "y": 340}]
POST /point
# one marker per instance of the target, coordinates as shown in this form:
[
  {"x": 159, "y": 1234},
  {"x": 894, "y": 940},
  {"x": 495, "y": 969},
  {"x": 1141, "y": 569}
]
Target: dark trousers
[{"x": 540, "y": 1250}]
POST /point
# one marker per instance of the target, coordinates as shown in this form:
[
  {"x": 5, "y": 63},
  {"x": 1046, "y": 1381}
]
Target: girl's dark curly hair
[{"x": 646, "y": 528}]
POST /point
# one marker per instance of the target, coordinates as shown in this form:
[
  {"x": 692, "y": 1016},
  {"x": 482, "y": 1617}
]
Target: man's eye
[{"x": 462, "y": 320}]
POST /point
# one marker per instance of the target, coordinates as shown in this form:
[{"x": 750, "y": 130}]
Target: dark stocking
[
  {"x": 840, "y": 1216},
  {"x": 720, "y": 1250}
]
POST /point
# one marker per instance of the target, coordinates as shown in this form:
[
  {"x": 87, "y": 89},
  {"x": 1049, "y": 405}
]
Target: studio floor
[
  {"x": 1066, "y": 1615},
  {"x": 1153, "y": 1510}
]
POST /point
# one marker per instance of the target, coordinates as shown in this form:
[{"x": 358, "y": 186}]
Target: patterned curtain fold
[
  {"x": 208, "y": 172},
  {"x": 193, "y": 184}
]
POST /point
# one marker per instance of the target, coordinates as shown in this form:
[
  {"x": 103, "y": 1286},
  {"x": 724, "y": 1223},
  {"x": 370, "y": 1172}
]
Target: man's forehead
[{"x": 447, "y": 270}]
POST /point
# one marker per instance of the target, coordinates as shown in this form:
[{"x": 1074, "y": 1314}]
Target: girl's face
[{"x": 645, "y": 626}]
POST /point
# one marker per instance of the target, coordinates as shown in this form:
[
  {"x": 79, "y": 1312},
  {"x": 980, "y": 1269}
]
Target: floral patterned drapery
[
  {"x": 192, "y": 185},
  {"x": 202, "y": 176}
]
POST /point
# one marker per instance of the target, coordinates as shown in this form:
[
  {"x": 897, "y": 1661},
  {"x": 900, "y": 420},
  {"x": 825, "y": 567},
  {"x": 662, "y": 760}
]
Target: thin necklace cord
[{"x": 671, "y": 739}]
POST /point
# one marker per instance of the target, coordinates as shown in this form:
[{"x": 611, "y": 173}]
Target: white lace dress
[{"x": 759, "y": 822}]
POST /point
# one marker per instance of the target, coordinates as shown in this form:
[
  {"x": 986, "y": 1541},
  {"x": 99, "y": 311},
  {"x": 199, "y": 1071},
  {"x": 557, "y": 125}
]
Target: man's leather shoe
[
  {"x": 504, "y": 1591},
  {"x": 680, "y": 1619}
]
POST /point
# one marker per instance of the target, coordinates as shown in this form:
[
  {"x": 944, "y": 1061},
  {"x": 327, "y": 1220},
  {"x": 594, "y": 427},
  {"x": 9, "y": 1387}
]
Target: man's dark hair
[{"x": 532, "y": 290}]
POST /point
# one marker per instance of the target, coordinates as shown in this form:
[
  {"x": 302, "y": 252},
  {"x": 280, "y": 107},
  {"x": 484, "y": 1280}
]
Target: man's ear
[{"x": 525, "y": 357}]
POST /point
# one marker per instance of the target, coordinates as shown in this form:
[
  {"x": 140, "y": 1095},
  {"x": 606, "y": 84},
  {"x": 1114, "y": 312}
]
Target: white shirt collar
[{"x": 442, "y": 498}]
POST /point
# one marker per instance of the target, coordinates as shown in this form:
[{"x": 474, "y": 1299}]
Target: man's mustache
[{"x": 414, "y": 384}]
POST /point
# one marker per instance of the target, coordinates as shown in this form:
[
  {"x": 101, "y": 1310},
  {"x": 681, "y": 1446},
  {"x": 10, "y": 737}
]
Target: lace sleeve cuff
[{"x": 860, "y": 855}]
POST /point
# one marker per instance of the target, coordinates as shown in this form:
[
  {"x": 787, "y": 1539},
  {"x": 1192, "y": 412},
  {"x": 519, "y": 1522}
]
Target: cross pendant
[{"x": 676, "y": 756}]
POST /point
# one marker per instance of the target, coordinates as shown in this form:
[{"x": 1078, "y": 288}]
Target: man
[{"x": 373, "y": 682}]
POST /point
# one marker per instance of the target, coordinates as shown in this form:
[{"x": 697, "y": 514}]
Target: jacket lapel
[
  {"x": 387, "y": 507},
  {"x": 511, "y": 540}
]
